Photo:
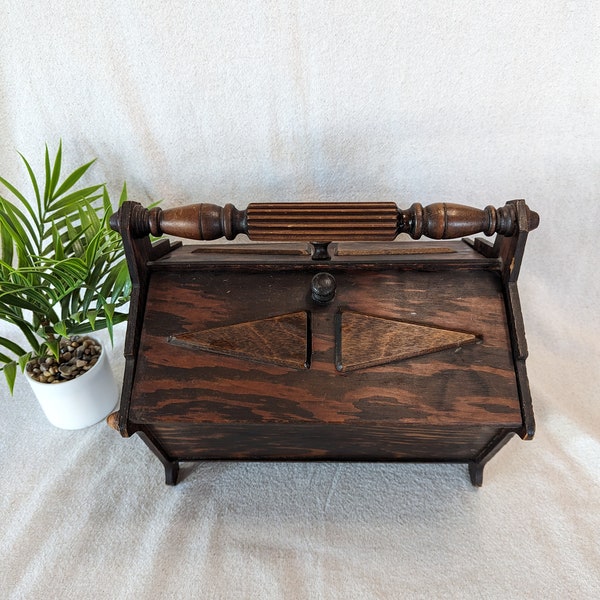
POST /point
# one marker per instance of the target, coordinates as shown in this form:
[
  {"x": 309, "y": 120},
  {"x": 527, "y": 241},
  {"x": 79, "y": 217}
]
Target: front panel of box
[{"x": 393, "y": 349}]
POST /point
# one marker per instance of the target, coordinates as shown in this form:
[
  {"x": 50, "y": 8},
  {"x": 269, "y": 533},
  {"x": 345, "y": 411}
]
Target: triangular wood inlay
[
  {"x": 365, "y": 341},
  {"x": 282, "y": 340}
]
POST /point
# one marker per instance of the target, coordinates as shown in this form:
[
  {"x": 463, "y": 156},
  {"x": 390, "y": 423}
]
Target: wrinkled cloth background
[{"x": 220, "y": 102}]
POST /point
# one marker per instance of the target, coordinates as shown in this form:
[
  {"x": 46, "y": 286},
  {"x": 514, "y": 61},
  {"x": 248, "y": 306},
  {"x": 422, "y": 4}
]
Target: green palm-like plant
[{"x": 62, "y": 269}]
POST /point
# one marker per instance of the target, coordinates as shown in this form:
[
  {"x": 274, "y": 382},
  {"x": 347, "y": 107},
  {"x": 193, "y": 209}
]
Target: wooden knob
[{"x": 322, "y": 288}]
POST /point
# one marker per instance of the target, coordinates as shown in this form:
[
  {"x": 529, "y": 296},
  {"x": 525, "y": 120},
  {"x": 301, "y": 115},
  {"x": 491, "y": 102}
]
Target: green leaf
[
  {"x": 54, "y": 347},
  {"x": 55, "y": 172},
  {"x": 88, "y": 297},
  {"x": 26, "y": 329},
  {"x": 106, "y": 203},
  {"x": 72, "y": 179},
  {"x": 4, "y": 358},
  {"x": 47, "y": 184},
  {"x": 21, "y": 198},
  {"x": 91, "y": 215},
  {"x": 71, "y": 238},
  {"x": 76, "y": 248},
  {"x": 75, "y": 266},
  {"x": 110, "y": 329},
  {"x": 7, "y": 244},
  {"x": 91, "y": 316},
  {"x": 10, "y": 372},
  {"x": 72, "y": 201},
  {"x": 99, "y": 324},
  {"x": 59, "y": 250},
  {"x": 87, "y": 225},
  {"x": 18, "y": 227},
  {"x": 92, "y": 250},
  {"x": 109, "y": 283},
  {"x": 34, "y": 183},
  {"x": 121, "y": 289},
  {"x": 19, "y": 302},
  {"x": 34, "y": 297},
  {"x": 123, "y": 197},
  {"x": 24, "y": 359},
  {"x": 61, "y": 329},
  {"x": 10, "y": 345},
  {"x": 109, "y": 311}
]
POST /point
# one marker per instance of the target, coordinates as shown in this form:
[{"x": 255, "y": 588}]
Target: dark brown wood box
[{"x": 351, "y": 350}]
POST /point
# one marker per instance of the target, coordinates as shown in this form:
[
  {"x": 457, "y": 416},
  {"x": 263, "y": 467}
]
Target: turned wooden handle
[{"x": 317, "y": 221}]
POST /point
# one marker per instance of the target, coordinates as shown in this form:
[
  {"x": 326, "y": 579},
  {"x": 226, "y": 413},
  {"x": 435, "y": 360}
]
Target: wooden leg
[
  {"x": 476, "y": 466},
  {"x": 476, "y": 473},
  {"x": 171, "y": 466},
  {"x": 171, "y": 472}
]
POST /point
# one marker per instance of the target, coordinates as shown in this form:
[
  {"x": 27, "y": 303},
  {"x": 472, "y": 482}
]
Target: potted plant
[{"x": 62, "y": 276}]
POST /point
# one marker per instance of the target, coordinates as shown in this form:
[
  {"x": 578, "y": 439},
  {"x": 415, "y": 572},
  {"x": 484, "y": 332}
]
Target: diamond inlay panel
[
  {"x": 366, "y": 341},
  {"x": 283, "y": 340}
]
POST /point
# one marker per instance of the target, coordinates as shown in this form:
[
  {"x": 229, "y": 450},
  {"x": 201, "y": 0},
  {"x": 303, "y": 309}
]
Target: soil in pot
[{"x": 77, "y": 355}]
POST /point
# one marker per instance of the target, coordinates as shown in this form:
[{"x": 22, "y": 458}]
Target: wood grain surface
[
  {"x": 364, "y": 341},
  {"x": 281, "y": 340},
  {"x": 474, "y": 384},
  {"x": 322, "y": 441}
]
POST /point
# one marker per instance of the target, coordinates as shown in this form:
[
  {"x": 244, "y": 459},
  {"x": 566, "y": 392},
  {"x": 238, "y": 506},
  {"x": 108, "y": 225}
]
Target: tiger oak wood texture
[
  {"x": 460, "y": 402},
  {"x": 180, "y": 384},
  {"x": 323, "y": 442}
]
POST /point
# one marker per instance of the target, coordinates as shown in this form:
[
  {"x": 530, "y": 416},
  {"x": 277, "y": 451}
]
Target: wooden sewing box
[{"x": 323, "y": 337}]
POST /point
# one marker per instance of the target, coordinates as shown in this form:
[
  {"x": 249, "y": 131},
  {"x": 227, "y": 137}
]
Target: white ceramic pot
[{"x": 82, "y": 401}]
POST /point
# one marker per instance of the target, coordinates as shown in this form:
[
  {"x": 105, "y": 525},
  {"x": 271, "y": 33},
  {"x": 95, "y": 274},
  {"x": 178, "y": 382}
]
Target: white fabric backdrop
[{"x": 469, "y": 102}]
